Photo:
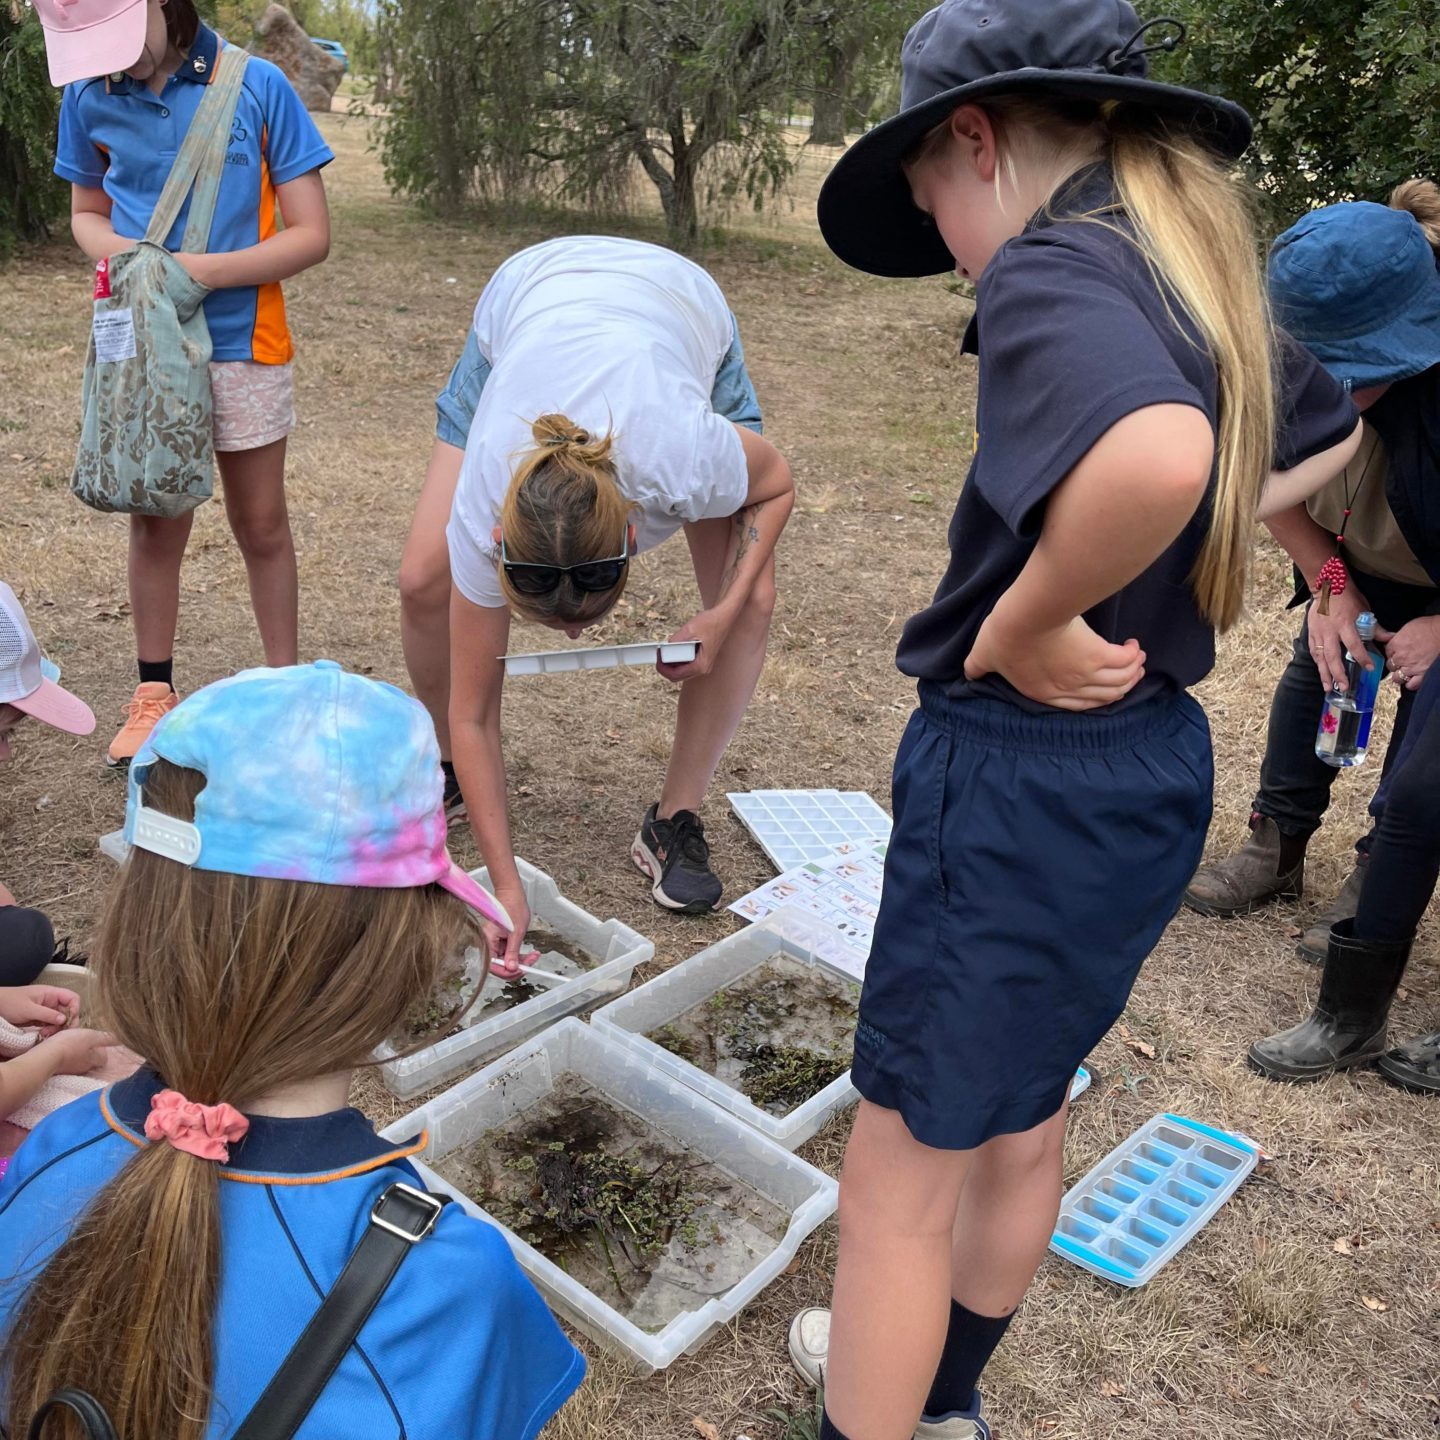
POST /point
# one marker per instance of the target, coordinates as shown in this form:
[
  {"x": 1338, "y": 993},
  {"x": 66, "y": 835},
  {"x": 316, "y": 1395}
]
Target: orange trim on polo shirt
[
  {"x": 270, "y": 340},
  {"x": 242, "y": 1177}
]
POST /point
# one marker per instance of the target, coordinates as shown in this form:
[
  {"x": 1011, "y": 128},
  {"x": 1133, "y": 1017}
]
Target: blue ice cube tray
[{"x": 1149, "y": 1197}]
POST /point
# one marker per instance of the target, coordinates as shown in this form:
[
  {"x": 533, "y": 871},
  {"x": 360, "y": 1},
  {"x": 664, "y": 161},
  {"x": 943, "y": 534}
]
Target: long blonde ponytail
[{"x": 1193, "y": 224}]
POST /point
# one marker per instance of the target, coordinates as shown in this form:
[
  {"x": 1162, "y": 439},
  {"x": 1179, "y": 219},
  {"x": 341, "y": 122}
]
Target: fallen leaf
[
  {"x": 1374, "y": 1304},
  {"x": 1110, "y": 1388},
  {"x": 1343, "y": 1246},
  {"x": 706, "y": 1429},
  {"x": 1139, "y": 1046},
  {"x": 1261, "y": 1368}
]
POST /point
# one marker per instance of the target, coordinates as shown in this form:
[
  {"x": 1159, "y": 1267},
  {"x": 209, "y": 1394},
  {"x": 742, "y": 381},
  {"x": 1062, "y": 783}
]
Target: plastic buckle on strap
[{"x": 421, "y": 1198}]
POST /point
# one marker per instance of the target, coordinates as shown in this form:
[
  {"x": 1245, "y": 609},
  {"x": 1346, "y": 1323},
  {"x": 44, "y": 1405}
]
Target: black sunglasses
[{"x": 591, "y": 576}]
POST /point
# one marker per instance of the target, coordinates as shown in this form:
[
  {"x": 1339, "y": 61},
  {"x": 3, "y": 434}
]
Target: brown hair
[
  {"x": 1422, "y": 199},
  {"x": 564, "y": 507},
  {"x": 182, "y": 22},
  {"x": 305, "y": 980},
  {"x": 1194, "y": 225}
]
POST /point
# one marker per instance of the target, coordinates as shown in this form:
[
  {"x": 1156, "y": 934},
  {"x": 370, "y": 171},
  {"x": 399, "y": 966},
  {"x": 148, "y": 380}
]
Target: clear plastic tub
[
  {"x": 113, "y": 847},
  {"x": 522, "y": 1080},
  {"x": 1149, "y": 1197},
  {"x": 617, "y": 947},
  {"x": 655, "y": 1005}
]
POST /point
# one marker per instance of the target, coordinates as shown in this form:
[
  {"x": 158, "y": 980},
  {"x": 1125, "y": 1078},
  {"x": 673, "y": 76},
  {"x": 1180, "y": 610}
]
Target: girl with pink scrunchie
[{"x": 282, "y": 907}]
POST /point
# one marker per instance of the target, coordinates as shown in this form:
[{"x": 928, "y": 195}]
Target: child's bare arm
[
  {"x": 1108, "y": 521},
  {"x": 305, "y": 241},
  {"x": 72, "y": 1052},
  {"x": 90, "y": 223}
]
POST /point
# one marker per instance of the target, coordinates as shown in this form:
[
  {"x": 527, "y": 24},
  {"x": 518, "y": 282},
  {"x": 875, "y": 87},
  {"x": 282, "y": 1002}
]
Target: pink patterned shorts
[{"x": 254, "y": 404}]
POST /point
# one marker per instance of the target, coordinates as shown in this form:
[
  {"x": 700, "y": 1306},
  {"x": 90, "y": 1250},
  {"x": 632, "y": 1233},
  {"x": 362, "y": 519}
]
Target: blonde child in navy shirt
[
  {"x": 135, "y": 74},
  {"x": 1052, "y": 792}
]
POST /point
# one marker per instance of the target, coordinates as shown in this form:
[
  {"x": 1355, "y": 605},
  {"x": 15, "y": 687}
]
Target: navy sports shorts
[{"x": 1034, "y": 863}]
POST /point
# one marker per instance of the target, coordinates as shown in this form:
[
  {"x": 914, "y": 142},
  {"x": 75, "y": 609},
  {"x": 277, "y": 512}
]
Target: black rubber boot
[
  {"x": 1348, "y": 1026},
  {"x": 1415, "y": 1066}
]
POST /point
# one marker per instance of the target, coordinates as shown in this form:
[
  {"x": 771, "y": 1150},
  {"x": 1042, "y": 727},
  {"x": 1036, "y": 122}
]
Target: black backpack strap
[
  {"x": 401, "y": 1217},
  {"x": 87, "y": 1408}
]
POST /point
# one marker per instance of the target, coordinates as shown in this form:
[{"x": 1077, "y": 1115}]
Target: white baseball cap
[{"x": 23, "y": 682}]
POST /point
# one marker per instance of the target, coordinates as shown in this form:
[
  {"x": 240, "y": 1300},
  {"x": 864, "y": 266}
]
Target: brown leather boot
[
  {"x": 1316, "y": 939},
  {"x": 1252, "y": 876}
]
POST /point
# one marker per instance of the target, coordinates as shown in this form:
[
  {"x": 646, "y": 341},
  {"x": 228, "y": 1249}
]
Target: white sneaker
[{"x": 809, "y": 1345}]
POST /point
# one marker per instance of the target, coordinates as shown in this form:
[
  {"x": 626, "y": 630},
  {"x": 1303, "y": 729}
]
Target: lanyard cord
[{"x": 1333, "y": 576}]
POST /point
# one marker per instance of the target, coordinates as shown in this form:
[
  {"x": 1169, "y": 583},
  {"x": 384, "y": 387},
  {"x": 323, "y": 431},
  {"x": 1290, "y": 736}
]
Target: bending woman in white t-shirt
[{"x": 603, "y": 404}]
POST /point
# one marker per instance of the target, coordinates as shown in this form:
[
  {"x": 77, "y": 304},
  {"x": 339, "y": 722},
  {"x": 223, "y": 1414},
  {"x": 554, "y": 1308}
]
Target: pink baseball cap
[
  {"x": 23, "y": 682},
  {"x": 87, "y": 38}
]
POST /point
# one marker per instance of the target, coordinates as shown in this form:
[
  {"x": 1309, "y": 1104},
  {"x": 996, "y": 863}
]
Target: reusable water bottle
[{"x": 1344, "y": 734}]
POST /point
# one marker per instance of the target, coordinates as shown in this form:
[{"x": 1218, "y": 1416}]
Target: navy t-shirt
[{"x": 1074, "y": 334}]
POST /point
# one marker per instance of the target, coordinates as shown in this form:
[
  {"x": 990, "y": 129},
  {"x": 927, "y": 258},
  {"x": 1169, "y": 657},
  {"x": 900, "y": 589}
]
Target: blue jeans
[{"x": 732, "y": 395}]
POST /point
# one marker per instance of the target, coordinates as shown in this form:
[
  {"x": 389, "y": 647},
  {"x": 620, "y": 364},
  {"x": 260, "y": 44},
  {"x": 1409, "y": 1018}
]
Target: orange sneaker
[{"x": 151, "y": 701}]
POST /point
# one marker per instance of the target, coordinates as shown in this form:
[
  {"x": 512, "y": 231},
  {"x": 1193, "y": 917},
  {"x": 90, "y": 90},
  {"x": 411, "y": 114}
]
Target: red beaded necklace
[{"x": 1333, "y": 576}]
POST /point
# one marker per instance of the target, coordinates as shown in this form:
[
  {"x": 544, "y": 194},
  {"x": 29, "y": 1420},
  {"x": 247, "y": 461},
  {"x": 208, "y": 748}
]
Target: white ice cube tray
[
  {"x": 1149, "y": 1197},
  {"x": 618, "y": 949},
  {"x": 796, "y": 826},
  {"x": 633, "y": 1017},
  {"x": 512, "y": 1085},
  {"x": 601, "y": 657}
]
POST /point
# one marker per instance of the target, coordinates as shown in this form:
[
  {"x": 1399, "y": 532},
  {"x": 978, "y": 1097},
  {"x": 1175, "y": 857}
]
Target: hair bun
[
  {"x": 1422, "y": 199},
  {"x": 556, "y": 430}
]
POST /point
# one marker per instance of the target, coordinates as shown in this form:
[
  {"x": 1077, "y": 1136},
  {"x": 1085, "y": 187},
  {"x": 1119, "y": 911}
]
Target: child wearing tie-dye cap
[{"x": 283, "y": 906}]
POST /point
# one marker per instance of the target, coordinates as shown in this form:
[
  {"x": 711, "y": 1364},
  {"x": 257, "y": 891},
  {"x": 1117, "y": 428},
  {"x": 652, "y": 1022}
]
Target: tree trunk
[
  {"x": 682, "y": 208},
  {"x": 832, "y": 96}
]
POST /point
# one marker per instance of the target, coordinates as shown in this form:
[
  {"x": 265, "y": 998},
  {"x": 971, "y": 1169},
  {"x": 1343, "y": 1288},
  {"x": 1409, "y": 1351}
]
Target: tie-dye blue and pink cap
[{"x": 311, "y": 773}]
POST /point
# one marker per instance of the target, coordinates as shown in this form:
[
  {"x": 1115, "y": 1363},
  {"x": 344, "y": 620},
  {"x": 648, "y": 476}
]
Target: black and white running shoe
[
  {"x": 454, "y": 800},
  {"x": 676, "y": 856}
]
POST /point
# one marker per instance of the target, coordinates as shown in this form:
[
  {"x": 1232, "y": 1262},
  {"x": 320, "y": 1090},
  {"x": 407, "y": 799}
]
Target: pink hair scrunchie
[{"x": 205, "y": 1131}]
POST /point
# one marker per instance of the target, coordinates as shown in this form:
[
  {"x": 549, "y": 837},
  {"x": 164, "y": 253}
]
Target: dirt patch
[
  {"x": 779, "y": 1034},
  {"x": 644, "y": 1223}
]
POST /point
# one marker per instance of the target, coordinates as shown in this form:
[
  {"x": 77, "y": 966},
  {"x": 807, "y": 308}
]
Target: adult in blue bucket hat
[
  {"x": 1134, "y": 401},
  {"x": 1357, "y": 284}
]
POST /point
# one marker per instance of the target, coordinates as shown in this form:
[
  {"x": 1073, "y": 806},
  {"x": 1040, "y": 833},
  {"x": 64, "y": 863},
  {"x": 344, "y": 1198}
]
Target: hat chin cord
[{"x": 1116, "y": 59}]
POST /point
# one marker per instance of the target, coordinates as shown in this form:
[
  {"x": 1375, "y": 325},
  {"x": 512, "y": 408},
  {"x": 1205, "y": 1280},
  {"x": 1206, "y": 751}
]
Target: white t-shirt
[{"x": 622, "y": 337}]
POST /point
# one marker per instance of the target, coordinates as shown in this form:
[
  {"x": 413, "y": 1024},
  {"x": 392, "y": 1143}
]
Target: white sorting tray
[
  {"x": 618, "y": 948},
  {"x": 600, "y": 657},
  {"x": 794, "y": 827},
  {"x": 521, "y": 1079}
]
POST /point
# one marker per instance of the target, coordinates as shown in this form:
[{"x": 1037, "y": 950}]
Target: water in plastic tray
[
  {"x": 796, "y": 826},
  {"x": 1149, "y": 1197}
]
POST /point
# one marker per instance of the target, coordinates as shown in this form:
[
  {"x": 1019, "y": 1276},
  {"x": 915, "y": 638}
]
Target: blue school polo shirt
[
  {"x": 1073, "y": 334},
  {"x": 116, "y": 135},
  {"x": 461, "y": 1345}
]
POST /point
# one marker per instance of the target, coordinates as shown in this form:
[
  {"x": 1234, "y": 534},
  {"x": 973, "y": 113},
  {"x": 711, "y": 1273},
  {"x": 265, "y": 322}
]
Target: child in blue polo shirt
[
  {"x": 121, "y": 125},
  {"x": 1052, "y": 792},
  {"x": 282, "y": 905}
]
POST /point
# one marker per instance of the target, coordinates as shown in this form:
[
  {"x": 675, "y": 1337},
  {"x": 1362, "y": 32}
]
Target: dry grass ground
[{"x": 1261, "y": 1329}]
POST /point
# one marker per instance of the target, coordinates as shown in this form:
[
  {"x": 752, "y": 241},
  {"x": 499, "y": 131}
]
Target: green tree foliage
[
  {"x": 31, "y": 197},
  {"x": 566, "y": 100},
  {"x": 1345, "y": 93},
  {"x": 855, "y": 50}
]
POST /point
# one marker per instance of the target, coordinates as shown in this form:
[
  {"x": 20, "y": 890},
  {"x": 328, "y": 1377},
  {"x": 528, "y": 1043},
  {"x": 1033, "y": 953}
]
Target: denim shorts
[
  {"x": 1034, "y": 864},
  {"x": 732, "y": 395}
]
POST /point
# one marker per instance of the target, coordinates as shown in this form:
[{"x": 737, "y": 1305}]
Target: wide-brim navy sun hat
[
  {"x": 969, "y": 50},
  {"x": 1357, "y": 285}
]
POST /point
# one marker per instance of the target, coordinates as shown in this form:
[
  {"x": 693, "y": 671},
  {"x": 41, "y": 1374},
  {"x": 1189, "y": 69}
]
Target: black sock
[
  {"x": 155, "y": 671},
  {"x": 828, "y": 1430},
  {"x": 969, "y": 1343}
]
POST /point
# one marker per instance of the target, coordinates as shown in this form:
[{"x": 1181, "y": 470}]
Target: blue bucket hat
[
  {"x": 971, "y": 50},
  {"x": 1357, "y": 285}
]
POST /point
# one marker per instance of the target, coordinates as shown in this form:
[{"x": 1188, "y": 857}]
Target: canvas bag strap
[{"x": 206, "y": 139}]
